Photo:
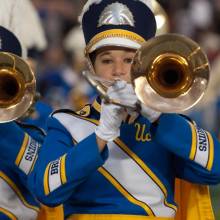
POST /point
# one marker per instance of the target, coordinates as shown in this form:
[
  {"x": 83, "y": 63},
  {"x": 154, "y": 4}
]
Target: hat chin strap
[
  {"x": 90, "y": 65},
  {"x": 99, "y": 83}
]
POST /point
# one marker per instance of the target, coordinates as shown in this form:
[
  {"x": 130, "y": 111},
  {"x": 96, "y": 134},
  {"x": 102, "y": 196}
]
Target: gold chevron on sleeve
[
  {"x": 22, "y": 149},
  {"x": 63, "y": 169},
  {"x": 194, "y": 140},
  {"x": 211, "y": 152}
]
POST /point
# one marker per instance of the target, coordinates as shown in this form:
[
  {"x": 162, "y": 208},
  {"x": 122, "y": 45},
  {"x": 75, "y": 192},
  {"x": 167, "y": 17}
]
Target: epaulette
[
  {"x": 34, "y": 127},
  {"x": 84, "y": 112}
]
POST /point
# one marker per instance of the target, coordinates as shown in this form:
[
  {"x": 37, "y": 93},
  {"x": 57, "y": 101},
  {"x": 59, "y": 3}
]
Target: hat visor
[{"x": 114, "y": 41}]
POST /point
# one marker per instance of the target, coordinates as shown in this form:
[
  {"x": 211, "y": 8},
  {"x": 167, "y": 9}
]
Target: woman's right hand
[{"x": 112, "y": 115}]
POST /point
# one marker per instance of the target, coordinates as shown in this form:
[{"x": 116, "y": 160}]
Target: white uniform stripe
[
  {"x": 75, "y": 126},
  {"x": 136, "y": 181},
  {"x": 124, "y": 169},
  {"x": 54, "y": 175},
  {"x": 202, "y": 148},
  {"x": 29, "y": 155},
  {"x": 10, "y": 201}
]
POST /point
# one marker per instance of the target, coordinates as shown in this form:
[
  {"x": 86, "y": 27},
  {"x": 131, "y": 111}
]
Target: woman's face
[{"x": 114, "y": 63}]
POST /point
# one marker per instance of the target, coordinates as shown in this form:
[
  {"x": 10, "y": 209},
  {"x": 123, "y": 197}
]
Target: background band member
[
  {"x": 16, "y": 201},
  {"x": 19, "y": 146}
]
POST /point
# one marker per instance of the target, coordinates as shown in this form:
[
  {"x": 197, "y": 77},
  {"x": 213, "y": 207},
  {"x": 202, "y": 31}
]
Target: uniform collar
[{"x": 96, "y": 105}]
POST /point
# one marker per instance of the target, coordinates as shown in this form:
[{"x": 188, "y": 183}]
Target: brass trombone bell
[
  {"x": 170, "y": 73},
  {"x": 17, "y": 87}
]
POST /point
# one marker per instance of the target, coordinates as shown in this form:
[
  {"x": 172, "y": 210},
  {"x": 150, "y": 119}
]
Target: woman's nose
[{"x": 119, "y": 69}]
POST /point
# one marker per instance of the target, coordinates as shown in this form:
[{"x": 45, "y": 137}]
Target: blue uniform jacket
[
  {"x": 133, "y": 175},
  {"x": 16, "y": 201}
]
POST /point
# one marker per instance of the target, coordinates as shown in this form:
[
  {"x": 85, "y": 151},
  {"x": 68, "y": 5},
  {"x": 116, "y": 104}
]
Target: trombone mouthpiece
[
  {"x": 100, "y": 88},
  {"x": 97, "y": 83},
  {"x": 105, "y": 82}
]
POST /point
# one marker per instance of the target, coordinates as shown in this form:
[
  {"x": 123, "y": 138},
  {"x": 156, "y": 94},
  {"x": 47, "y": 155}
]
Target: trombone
[
  {"x": 17, "y": 87},
  {"x": 169, "y": 73}
]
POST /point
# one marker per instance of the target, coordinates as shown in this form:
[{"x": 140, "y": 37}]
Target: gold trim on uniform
[
  {"x": 147, "y": 170},
  {"x": 53, "y": 180},
  {"x": 51, "y": 213},
  {"x": 63, "y": 169},
  {"x": 17, "y": 191},
  {"x": 205, "y": 155},
  {"x": 113, "y": 217},
  {"x": 116, "y": 184},
  {"x": 27, "y": 155},
  {"x": 85, "y": 111},
  {"x": 194, "y": 142},
  {"x": 124, "y": 192},
  {"x": 96, "y": 106},
  {"x": 135, "y": 158},
  {"x": 8, "y": 213},
  {"x": 211, "y": 152},
  {"x": 46, "y": 180},
  {"x": 114, "y": 33},
  {"x": 94, "y": 121},
  {"x": 22, "y": 149}
]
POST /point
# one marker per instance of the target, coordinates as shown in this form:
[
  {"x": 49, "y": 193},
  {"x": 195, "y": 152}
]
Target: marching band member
[
  {"x": 105, "y": 162},
  {"x": 16, "y": 201}
]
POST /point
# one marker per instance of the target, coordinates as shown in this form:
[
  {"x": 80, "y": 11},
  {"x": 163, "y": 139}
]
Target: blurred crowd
[{"x": 60, "y": 64}]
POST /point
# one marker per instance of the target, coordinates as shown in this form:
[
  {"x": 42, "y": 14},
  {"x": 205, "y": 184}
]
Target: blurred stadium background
[{"x": 59, "y": 65}]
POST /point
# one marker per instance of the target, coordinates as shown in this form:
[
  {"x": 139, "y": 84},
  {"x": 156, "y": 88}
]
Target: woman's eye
[
  {"x": 128, "y": 60},
  {"x": 106, "y": 61}
]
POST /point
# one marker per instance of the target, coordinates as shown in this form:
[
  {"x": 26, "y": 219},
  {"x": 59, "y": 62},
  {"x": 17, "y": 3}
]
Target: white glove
[
  {"x": 112, "y": 115},
  {"x": 149, "y": 113},
  {"x": 128, "y": 97}
]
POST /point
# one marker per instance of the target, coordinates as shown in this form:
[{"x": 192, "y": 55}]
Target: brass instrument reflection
[{"x": 17, "y": 87}]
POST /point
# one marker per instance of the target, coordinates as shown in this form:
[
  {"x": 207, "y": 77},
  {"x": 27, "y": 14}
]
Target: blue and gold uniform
[
  {"x": 135, "y": 173},
  {"x": 16, "y": 201},
  {"x": 134, "y": 176},
  {"x": 19, "y": 146}
]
